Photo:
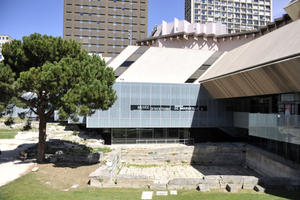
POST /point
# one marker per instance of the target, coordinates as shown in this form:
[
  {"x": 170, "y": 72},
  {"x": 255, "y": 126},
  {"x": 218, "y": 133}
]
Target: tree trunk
[{"x": 42, "y": 139}]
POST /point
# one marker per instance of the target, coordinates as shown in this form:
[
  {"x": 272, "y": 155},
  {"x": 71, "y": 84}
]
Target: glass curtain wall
[{"x": 149, "y": 135}]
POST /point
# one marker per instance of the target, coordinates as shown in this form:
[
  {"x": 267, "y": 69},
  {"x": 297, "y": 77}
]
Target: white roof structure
[
  {"x": 179, "y": 26},
  {"x": 158, "y": 65},
  {"x": 277, "y": 45},
  {"x": 117, "y": 61}
]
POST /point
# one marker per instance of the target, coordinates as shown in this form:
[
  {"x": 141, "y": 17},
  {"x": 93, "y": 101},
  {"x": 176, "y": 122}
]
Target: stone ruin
[{"x": 253, "y": 165}]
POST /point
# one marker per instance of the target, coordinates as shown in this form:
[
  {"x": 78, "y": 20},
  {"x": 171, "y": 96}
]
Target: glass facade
[
  {"x": 150, "y": 135},
  {"x": 279, "y": 127},
  {"x": 160, "y": 105}
]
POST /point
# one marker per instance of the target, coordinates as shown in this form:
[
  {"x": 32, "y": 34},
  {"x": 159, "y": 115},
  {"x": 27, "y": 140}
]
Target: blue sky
[{"x": 23, "y": 17}]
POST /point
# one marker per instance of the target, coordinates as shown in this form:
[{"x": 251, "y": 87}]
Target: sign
[{"x": 167, "y": 108}]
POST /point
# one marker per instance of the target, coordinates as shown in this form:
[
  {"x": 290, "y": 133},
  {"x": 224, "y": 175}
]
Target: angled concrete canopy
[
  {"x": 267, "y": 65},
  {"x": 159, "y": 65},
  {"x": 293, "y": 9}
]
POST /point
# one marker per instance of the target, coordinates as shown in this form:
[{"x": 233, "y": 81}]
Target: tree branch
[
  {"x": 33, "y": 111},
  {"x": 29, "y": 103},
  {"x": 50, "y": 112}
]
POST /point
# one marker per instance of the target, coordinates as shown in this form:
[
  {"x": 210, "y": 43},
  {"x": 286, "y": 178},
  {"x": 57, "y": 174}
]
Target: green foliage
[
  {"x": 6, "y": 87},
  {"x": 46, "y": 73},
  {"x": 9, "y": 121},
  {"x": 27, "y": 126}
]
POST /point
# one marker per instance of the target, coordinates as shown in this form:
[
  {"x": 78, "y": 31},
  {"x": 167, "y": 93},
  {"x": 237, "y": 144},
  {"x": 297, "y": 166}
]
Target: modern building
[
  {"x": 249, "y": 93},
  {"x": 4, "y": 39},
  {"x": 237, "y": 15},
  {"x": 105, "y": 27}
]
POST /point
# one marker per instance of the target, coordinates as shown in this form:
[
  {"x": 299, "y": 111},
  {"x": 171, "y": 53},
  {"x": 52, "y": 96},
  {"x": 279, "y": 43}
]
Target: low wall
[
  {"x": 106, "y": 173},
  {"x": 275, "y": 172},
  {"x": 270, "y": 165},
  {"x": 217, "y": 154}
]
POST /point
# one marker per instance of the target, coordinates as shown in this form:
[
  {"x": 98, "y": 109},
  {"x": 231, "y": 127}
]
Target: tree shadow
[
  {"x": 61, "y": 153},
  {"x": 13, "y": 154}
]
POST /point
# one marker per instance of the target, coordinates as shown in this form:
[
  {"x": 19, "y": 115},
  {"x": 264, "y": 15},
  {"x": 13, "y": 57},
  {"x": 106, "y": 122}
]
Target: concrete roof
[
  {"x": 117, "y": 61},
  {"x": 165, "y": 65},
  {"x": 272, "y": 47},
  {"x": 278, "y": 22}
]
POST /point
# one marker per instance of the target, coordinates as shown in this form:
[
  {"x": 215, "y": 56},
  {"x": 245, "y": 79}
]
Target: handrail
[{"x": 156, "y": 141}]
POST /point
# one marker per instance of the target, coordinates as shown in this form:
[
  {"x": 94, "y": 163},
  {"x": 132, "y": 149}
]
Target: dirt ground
[{"x": 64, "y": 176}]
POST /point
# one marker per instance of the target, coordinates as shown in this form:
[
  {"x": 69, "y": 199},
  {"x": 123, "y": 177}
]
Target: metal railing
[
  {"x": 152, "y": 141},
  {"x": 165, "y": 141}
]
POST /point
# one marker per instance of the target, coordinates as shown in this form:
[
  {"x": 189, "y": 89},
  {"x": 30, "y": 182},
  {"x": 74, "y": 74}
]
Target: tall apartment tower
[
  {"x": 237, "y": 15},
  {"x": 105, "y": 26}
]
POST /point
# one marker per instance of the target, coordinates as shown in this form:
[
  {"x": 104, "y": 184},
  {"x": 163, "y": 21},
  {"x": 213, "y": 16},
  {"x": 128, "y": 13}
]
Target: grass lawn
[
  {"x": 30, "y": 187},
  {"x": 8, "y": 133}
]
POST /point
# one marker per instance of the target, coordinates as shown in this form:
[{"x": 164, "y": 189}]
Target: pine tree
[{"x": 45, "y": 73}]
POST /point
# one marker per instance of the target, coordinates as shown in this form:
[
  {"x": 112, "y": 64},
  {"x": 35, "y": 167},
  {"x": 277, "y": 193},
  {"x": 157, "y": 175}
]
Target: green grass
[
  {"x": 8, "y": 133},
  {"x": 102, "y": 149},
  {"x": 29, "y": 187},
  {"x": 142, "y": 166}
]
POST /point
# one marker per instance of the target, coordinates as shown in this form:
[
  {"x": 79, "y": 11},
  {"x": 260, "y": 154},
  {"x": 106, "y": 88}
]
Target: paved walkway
[{"x": 10, "y": 167}]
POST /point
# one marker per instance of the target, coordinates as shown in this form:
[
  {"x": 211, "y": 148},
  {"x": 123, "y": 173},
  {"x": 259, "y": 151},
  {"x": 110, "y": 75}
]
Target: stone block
[
  {"x": 232, "y": 188},
  {"x": 212, "y": 181},
  {"x": 185, "y": 181},
  {"x": 159, "y": 186},
  {"x": 250, "y": 182},
  {"x": 203, "y": 188},
  {"x": 258, "y": 188},
  {"x": 35, "y": 169}
]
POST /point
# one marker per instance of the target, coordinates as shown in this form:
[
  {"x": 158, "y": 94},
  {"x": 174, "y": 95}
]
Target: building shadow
[{"x": 220, "y": 149}]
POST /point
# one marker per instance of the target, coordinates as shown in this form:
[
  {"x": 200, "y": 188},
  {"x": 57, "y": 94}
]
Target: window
[
  {"x": 81, "y": 14},
  {"x": 0, "y": 56}
]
